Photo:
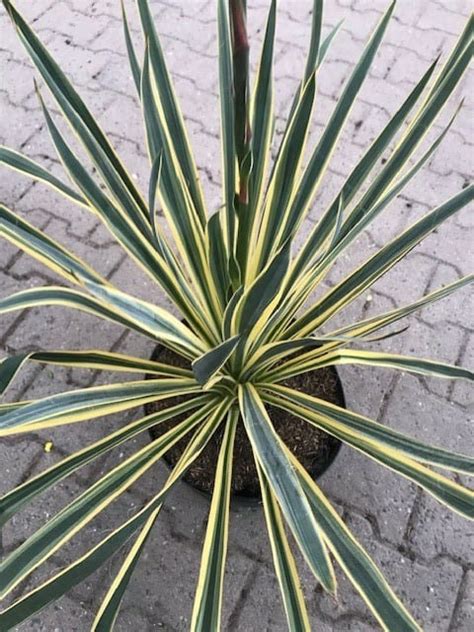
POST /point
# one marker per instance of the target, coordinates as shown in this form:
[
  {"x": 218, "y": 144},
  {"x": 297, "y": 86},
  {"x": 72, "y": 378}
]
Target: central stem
[{"x": 240, "y": 47}]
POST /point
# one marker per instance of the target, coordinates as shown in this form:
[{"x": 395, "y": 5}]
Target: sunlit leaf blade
[
  {"x": 6, "y": 408},
  {"x": 285, "y": 567},
  {"x": 157, "y": 320},
  {"x": 176, "y": 202},
  {"x": 99, "y": 360},
  {"x": 359, "y": 174},
  {"x": 345, "y": 238},
  {"x": 150, "y": 113},
  {"x": 429, "y": 368},
  {"x": 313, "y": 57},
  {"x": 463, "y": 41},
  {"x": 52, "y": 295},
  {"x": 59, "y": 529},
  {"x": 208, "y": 599},
  {"x": 163, "y": 181},
  {"x": 375, "y": 323},
  {"x": 109, "y": 608},
  {"x": 109, "y": 361},
  {"x": 140, "y": 316},
  {"x": 454, "y": 495},
  {"x": 320, "y": 157},
  {"x": 208, "y": 364},
  {"x": 71, "y": 103},
  {"x": 255, "y": 304},
  {"x": 100, "y": 150},
  {"x": 35, "y": 243},
  {"x": 356, "y": 563},
  {"x": 360, "y": 330},
  {"x": 14, "y": 500},
  {"x": 262, "y": 114},
  {"x": 272, "y": 458},
  {"x": 322, "y": 264},
  {"x": 9, "y": 367},
  {"x": 411, "y": 364},
  {"x": 132, "y": 56},
  {"x": 172, "y": 115},
  {"x": 152, "y": 186},
  {"x": 178, "y": 207},
  {"x": 215, "y": 247},
  {"x": 95, "y": 197},
  {"x": 90, "y": 403},
  {"x": 261, "y": 293},
  {"x": 260, "y": 142},
  {"x": 378, "y": 264},
  {"x": 23, "y": 164},
  {"x": 327, "y": 41},
  {"x": 450, "y": 74},
  {"x": 260, "y": 365},
  {"x": 268, "y": 233},
  {"x": 314, "y": 44},
  {"x": 332, "y": 417},
  {"x": 76, "y": 572},
  {"x": 229, "y": 313},
  {"x": 131, "y": 230},
  {"x": 226, "y": 82},
  {"x": 276, "y": 352},
  {"x": 316, "y": 56},
  {"x": 126, "y": 232}
]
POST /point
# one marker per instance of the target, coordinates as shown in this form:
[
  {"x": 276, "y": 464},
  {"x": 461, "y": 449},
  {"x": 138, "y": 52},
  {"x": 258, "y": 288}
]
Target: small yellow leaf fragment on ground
[{"x": 48, "y": 446}]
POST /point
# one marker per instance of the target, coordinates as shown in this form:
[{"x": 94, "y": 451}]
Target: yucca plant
[{"x": 241, "y": 287}]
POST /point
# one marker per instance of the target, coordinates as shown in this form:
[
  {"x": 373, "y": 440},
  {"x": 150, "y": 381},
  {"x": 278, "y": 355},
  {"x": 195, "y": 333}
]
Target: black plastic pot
[{"x": 323, "y": 458}]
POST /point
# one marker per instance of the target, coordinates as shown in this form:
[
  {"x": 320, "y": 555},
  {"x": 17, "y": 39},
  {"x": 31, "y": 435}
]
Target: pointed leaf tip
[{"x": 209, "y": 363}]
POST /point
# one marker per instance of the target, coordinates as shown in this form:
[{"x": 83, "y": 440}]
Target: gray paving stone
[
  {"x": 259, "y": 605},
  {"x": 113, "y": 120},
  {"x": 163, "y": 562},
  {"x": 464, "y": 613},
  {"x": 130, "y": 277},
  {"x": 16, "y": 456},
  {"x": 462, "y": 392},
  {"x": 436, "y": 18},
  {"x": 411, "y": 287},
  {"x": 456, "y": 306},
  {"x": 52, "y": 619},
  {"x": 378, "y": 382},
  {"x": 21, "y": 127},
  {"x": 38, "y": 512},
  {"x": 357, "y": 482},
  {"x": 70, "y": 324},
  {"x": 427, "y": 191},
  {"x": 132, "y": 619},
  {"x": 460, "y": 246},
  {"x": 441, "y": 342},
  {"x": 410, "y": 410},
  {"x": 429, "y": 592},
  {"x": 18, "y": 80},
  {"x": 438, "y": 531},
  {"x": 12, "y": 320}
]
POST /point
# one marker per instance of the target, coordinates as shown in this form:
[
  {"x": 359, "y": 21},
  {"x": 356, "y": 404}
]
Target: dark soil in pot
[{"x": 314, "y": 448}]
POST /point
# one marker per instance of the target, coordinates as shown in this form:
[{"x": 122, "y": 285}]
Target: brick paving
[{"x": 425, "y": 551}]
